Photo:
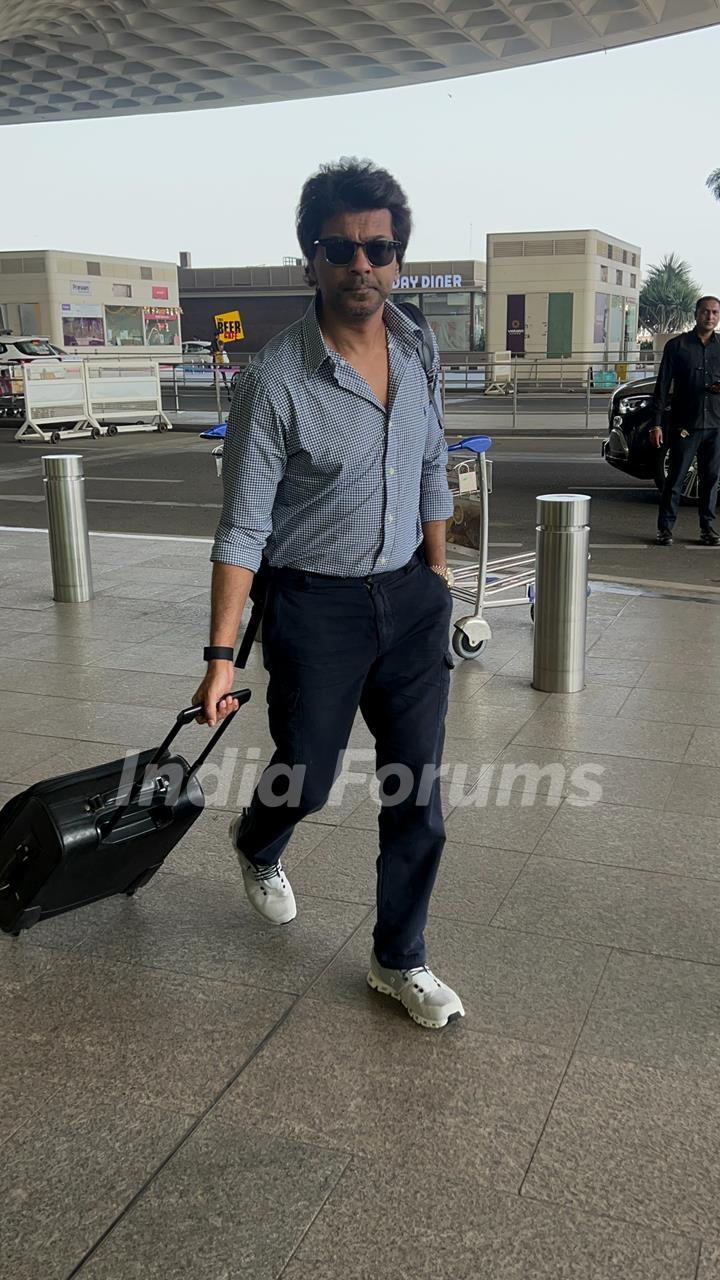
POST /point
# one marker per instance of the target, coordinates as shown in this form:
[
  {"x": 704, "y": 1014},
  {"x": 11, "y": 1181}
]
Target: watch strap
[{"x": 219, "y": 653}]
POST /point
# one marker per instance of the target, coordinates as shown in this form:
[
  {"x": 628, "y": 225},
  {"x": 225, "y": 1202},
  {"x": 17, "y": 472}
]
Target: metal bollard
[
  {"x": 561, "y": 575},
  {"x": 64, "y": 483}
]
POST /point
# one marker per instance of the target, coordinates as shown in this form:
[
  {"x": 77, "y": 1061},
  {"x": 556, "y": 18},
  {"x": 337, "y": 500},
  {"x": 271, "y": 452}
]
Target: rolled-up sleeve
[
  {"x": 254, "y": 457},
  {"x": 436, "y": 501}
]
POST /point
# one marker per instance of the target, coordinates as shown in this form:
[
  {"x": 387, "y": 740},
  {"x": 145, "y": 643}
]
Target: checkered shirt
[{"x": 317, "y": 472}]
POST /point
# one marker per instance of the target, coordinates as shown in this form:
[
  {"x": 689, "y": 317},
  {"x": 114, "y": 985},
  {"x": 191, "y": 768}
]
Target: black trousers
[
  {"x": 704, "y": 443},
  {"x": 380, "y": 644}
]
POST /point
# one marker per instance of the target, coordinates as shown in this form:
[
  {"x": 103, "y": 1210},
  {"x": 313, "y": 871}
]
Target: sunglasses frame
[{"x": 358, "y": 244}]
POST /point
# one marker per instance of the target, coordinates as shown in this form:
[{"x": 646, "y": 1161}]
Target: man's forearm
[
  {"x": 434, "y": 541},
  {"x": 230, "y": 589}
]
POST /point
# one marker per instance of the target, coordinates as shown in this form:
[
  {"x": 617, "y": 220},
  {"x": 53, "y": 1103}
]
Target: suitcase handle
[
  {"x": 187, "y": 716},
  {"x": 191, "y": 713},
  {"x": 184, "y": 717}
]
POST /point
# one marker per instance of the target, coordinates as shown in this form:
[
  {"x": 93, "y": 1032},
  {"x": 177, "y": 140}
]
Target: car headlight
[{"x": 634, "y": 404}]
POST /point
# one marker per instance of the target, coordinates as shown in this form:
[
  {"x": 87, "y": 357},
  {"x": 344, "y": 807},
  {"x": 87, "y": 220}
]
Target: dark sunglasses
[{"x": 341, "y": 252}]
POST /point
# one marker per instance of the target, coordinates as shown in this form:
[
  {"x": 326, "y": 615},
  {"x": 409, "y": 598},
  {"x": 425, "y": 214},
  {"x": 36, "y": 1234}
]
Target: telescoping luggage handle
[{"x": 189, "y": 714}]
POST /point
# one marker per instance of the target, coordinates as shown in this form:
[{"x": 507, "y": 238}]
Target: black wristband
[{"x": 218, "y": 652}]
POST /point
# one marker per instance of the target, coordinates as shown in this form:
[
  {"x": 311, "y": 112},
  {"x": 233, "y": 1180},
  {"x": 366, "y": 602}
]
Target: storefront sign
[
  {"x": 228, "y": 326},
  {"x": 428, "y": 282},
  {"x": 515, "y": 340},
  {"x": 80, "y": 288},
  {"x": 160, "y": 291}
]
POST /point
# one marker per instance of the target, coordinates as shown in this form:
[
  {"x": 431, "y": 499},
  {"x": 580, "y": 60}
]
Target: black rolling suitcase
[{"x": 73, "y": 840}]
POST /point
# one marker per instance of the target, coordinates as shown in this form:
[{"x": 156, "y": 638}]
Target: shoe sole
[{"x": 385, "y": 990}]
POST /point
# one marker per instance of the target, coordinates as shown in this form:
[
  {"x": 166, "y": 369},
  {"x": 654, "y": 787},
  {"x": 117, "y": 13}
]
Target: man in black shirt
[{"x": 691, "y": 367}]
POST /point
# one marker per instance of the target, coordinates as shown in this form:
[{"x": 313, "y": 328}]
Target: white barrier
[
  {"x": 122, "y": 390},
  {"x": 55, "y": 392},
  {"x": 501, "y": 375}
]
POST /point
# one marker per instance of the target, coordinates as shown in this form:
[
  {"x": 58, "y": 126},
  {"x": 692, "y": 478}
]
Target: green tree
[
  {"x": 668, "y": 297},
  {"x": 713, "y": 183}
]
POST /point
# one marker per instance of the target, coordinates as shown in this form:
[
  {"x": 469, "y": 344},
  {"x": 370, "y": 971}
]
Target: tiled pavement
[{"x": 187, "y": 1093}]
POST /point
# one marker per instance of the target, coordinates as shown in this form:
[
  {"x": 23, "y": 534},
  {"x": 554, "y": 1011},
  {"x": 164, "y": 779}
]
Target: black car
[{"x": 628, "y": 446}]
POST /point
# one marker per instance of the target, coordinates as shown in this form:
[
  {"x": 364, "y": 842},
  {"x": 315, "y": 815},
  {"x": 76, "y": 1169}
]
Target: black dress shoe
[
  {"x": 709, "y": 538},
  {"x": 664, "y": 538}
]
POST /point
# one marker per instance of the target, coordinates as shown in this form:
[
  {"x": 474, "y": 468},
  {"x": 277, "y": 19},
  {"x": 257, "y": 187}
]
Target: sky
[{"x": 620, "y": 141}]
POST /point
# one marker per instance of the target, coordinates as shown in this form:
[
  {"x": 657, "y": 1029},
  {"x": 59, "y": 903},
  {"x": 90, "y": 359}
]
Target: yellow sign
[{"x": 229, "y": 327}]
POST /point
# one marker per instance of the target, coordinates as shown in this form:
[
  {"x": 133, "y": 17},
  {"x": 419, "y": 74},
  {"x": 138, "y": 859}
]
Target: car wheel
[{"x": 690, "y": 487}]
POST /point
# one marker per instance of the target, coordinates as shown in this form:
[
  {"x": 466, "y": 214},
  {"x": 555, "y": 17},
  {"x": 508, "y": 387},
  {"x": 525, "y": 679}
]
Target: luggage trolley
[{"x": 484, "y": 585}]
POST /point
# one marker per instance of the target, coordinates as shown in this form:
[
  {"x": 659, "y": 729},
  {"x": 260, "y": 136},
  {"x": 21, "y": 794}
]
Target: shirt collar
[
  {"x": 400, "y": 327},
  {"x": 714, "y": 337}
]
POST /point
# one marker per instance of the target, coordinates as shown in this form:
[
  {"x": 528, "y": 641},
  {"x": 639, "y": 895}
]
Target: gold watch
[{"x": 443, "y": 571}]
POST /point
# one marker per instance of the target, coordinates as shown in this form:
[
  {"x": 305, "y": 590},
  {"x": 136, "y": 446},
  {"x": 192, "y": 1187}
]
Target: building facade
[
  {"x": 82, "y": 301},
  {"x": 556, "y": 294},
  {"x": 451, "y": 294}
]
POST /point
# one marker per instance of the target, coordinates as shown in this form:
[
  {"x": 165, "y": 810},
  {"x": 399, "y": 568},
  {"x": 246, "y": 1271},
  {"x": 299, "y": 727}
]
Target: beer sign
[{"x": 228, "y": 327}]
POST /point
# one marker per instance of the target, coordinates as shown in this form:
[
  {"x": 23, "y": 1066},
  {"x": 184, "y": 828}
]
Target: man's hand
[
  {"x": 210, "y": 696},
  {"x": 656, "y": 436}
]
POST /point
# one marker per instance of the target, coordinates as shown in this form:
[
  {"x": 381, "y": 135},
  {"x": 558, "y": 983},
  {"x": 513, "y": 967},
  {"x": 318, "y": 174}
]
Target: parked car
[
  {"x": 18, "y": 350},
  {"x": 628, "y": 446},
  {"x": 15, "y": 351},
  {"x": 194, "y": 347}
]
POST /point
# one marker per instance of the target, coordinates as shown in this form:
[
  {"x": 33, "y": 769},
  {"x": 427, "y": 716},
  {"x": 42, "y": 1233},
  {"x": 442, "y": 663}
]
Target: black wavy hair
[{"x": 350, "y": 186}]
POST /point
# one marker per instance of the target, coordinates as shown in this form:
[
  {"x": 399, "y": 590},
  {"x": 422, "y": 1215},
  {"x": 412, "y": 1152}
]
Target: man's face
[
  {"x": 707, "y": 316},
  {"x": 357, "y": 290}
]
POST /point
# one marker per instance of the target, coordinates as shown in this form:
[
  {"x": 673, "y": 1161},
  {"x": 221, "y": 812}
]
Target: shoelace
[
  {"x": 410, "y": 974},
  {"x": 267, "y": 873}
]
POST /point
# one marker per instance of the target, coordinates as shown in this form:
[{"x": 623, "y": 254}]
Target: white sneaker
[
  {"x": 428, "y": 1000},
  {"x": 266, "y": 887}
]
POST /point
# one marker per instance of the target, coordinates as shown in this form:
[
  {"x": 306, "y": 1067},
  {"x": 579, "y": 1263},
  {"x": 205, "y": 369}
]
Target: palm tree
[
  {"x": 713, "y": 183},
  {"x": 668, "y": 296}
]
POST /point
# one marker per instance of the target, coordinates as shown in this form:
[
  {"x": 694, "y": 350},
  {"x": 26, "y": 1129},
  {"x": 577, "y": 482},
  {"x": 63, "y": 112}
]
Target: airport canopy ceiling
[{"x": 69, "y": 59}]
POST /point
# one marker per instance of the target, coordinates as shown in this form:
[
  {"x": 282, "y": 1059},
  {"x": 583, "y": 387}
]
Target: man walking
[
  {"x": 334, "y": 466},
  {"x": 691, "y": 367},
  {"x": 220, "y": 360}
]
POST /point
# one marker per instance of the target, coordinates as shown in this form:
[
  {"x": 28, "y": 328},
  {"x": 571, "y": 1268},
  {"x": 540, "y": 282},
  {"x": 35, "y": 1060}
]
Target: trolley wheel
[
  {"x": 463, "y": 647},
  {"x": 55, "y": 437},
  {"x": 96, "y": 433},
  {"x": 162, "y": 426},
  {"x": 112, "y": 429}
]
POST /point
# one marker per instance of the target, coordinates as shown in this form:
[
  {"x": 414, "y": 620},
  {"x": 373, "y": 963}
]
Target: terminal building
[
  {"x": 552, "y": 294},
  {"x": 451, "y": 294},
  {"x": 84, "y": 300}
]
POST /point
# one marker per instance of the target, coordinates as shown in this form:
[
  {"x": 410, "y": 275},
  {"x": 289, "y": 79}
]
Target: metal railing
[{"x": 477, "y": 370}]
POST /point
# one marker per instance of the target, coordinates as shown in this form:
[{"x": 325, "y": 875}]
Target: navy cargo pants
[
  {"x": 705, "y": 443},
  {"x": 332, "y": 645}
]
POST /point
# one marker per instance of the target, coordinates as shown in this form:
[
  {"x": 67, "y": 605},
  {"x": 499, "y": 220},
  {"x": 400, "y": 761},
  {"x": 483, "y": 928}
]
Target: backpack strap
[{"x": 426, "y": 351}]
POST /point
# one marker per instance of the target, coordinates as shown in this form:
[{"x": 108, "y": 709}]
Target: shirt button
[
  {"x": 390, "y": 519},
  {"x": 383, "y": 560},
  {"x": 392, "y": 471}
]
